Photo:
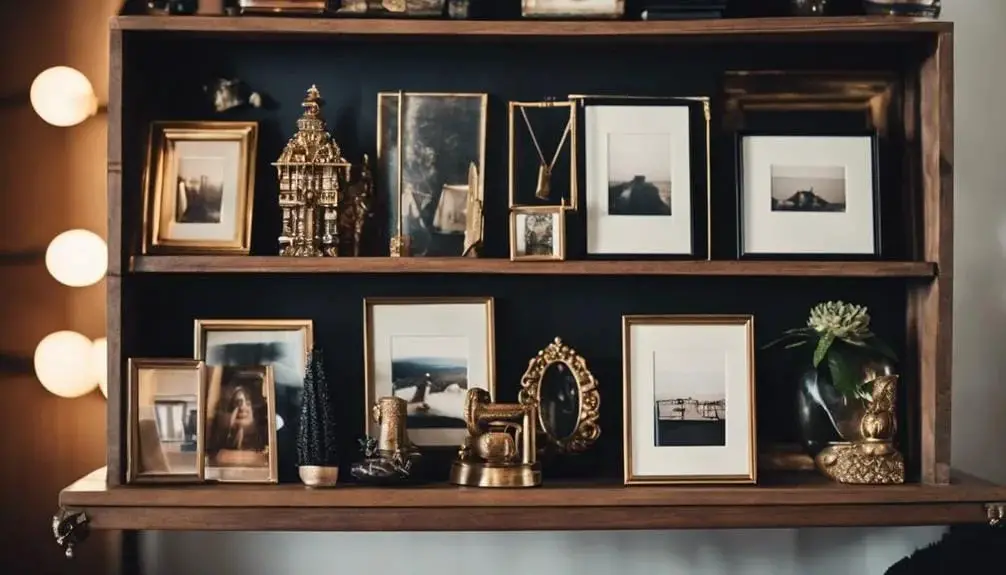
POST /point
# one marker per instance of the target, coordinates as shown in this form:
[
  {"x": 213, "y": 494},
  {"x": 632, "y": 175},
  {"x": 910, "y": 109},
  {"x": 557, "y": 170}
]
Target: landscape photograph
[
  {"x": 808, "y": 189},
  {"x": 639, "y": 174},
  {"x": 200, "y": 190},
  {"x": 690, "y": 406},
  {"x": 433, "y": 382}
]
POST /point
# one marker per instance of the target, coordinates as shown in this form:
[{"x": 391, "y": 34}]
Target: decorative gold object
[
  {"x": 314, "y": 7},
  {"x": 355, "y": 210},
  {"x": 874, "y": 459},
  {"x": 314, "y": 476},
  {"x": 558, "y": 382},
  {"x": 475, "y": 218},
  {"x": 543, "y": 186},
  {"x": 497, "y": 452},
  {"x": 391, "y": 457},
  {"x": 538, "y": 233}
]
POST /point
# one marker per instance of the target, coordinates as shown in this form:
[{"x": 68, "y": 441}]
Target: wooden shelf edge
[
  {"x": 385, "y": 265},
  {"x": 526, "y": 28}
]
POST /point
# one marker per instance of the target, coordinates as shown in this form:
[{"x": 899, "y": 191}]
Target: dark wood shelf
[
  {"x": 265, "y": 25},
  {"x": 781, "y": 500},
  {"x": 384, "y": 265}
]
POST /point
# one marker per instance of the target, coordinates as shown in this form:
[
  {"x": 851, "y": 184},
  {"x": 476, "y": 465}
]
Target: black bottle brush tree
[{"x": 317, "y": 453}]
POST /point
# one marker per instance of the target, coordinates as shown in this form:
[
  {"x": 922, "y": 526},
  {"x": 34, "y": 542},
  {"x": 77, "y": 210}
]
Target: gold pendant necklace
[{"x": 544, "y": 187}]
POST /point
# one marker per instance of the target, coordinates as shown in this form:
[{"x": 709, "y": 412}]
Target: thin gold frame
[
  {"x": 530, "y": 9},
  {"x": 369, "y": 395},
  {"x": 269, "y": 394},
  {"x": 397, "y": 240},
  {"x": 558, "y": 235},
  {"x": 132, "y": 431},
  {"x": 160, "y": 149},
  {"x": 316, "y": 7},
  {"x": 574, "y": 195},
  {"x": 206, "y": 325},
  {"x": 629, "y": 321}
]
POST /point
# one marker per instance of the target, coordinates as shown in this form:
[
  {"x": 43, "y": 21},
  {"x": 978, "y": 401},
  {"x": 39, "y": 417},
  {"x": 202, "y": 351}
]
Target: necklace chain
[{"x": 537, "y": 146}]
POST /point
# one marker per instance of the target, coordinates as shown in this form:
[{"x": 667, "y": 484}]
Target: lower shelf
[{"x": 783, "y": 500}]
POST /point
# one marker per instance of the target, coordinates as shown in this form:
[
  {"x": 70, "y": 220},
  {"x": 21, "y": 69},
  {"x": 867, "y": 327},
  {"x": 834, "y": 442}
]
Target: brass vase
[{"x": 317, "y": 476}]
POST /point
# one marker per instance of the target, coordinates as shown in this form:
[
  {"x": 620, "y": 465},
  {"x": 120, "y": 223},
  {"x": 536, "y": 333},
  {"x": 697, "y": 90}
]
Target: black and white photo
[
  {"x": 537, "y": 233},
  {"x": 200, "y": 190},
  {"x": 808, "y": 188},
  {"x": 431, "y": 375},
  {"x": 639, "y": 174},
  {"x": 241, "y": 424},
  {"x": 690, "y": 404}
]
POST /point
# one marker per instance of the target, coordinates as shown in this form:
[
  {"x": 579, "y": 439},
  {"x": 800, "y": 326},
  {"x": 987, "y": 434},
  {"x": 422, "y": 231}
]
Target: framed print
[
  {"x": 808, "y": 196},
  {"x": 165, "y": 441},
  {"x": 647, "y": 174},
  {"x": 429, "y": 352},
  {"x": 199, "y": 187},
  {"x": 442, "y": 135},
  {"x": 282, "y": 344},
  {"x": 241, "y": 424},
  {"x": 537, "y": 233},
  {"x": 689, "y": 399},
  {"x": 573, "y": 8}
]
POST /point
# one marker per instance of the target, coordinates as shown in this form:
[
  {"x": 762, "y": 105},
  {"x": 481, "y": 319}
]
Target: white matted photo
[
  {"x": 639, "y": 181},
  {"x": 537, "y": 233},
  {"x": 429, "y": 352},
  {"x": 572, "y": 8},
  {"x": 689, "y": 399},
  {"x": 808, "y": 195}
]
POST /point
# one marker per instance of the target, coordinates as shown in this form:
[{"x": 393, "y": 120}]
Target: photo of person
[
  {"x": 537, "y": 233},
  {"x": 240, "y": 424},
  {"x": 639, "y": 174}
]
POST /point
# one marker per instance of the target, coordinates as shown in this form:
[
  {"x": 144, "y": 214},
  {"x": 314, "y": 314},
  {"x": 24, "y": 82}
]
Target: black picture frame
[
  {"x": 878, "y": 251},
  {"x": 700, "y": 142}
]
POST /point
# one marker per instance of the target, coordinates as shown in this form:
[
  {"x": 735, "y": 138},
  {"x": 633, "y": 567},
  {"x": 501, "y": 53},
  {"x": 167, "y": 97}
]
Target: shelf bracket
[
  {"x": 996, "y": 513},
  {"x": 69, "y": 528}
]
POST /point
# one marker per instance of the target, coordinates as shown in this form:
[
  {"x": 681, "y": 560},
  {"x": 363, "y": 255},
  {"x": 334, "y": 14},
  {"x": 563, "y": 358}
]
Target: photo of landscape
[
  {"x": 808, "y": 189},
  {"x": 690, "y": 405},
  {"x": 432, "y": 384}
]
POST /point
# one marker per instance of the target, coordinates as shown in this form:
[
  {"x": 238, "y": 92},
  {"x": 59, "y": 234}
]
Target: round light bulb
[
  {"x": 63, "y": 364},
  {"x": 63, "y": 97},
  {"x": 99, "y": 364},
  {"x": 77, "y": 258}
]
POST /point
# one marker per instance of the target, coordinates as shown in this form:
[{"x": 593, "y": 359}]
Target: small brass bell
[{"x": 544, "y": 183}]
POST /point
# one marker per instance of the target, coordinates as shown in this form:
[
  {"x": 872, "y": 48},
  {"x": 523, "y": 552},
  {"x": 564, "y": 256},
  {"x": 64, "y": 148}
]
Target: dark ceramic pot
[{"x": 825, "y": 415}]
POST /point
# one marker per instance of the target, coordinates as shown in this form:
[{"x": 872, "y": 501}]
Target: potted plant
[
  {"x": 845, "y": 356},
  {"x": 317, "y": 452}
]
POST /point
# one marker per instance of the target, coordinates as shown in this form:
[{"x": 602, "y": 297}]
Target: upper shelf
[
  {"x": 259, "y": 25},
  {"x": 382, "y": 265}
]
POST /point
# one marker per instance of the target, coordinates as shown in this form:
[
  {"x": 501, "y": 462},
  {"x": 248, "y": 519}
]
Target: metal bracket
[
  {"x": 69, "y": 528},
  {"x": 996, "y": 513}
]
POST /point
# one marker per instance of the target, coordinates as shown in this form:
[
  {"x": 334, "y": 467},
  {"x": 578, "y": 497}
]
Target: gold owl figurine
[
  {"x": 475, "y": 218},
  {"x": 872, "y": 460}
]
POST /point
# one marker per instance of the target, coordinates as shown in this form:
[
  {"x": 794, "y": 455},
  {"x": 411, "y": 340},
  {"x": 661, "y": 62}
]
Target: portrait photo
[
  {"x": 165, "y": 416},
  {"x": 240, "y": 424},
  {"x": 681, "y": 374},
  {"x": 200, "y": 180},
  {"x": 808, "y": 196},
  {"x": 537, "y": 233},
  {"x": 639, "y": 174},
  {"x": 426, "y": 184},
  {"x": 429, "y": 352}
]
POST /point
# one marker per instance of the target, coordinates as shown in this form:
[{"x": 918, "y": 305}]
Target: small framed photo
[
  {"x": 646, "y": 168},
  {"x": 429, "y": 352},
  {"x": 199, "y": 187},
  {"x": 689, "y": 399},
  {"x": 165, "y": 441},
  {"x": 803, "y": 196},
  {"x": 538, "y": 233},
  {"x": 573, "y": 8},
  {"x": 241, "y": 425}
]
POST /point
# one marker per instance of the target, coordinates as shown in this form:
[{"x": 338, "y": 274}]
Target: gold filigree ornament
[
  {"x": 873, "y": 460},
  {"x": 558, "y": 381}
]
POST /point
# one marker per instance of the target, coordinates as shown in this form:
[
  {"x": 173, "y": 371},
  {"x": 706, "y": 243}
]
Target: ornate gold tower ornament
[{"x": 312, "y": 174}]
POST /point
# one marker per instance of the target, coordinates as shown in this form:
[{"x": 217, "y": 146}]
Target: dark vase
[{"x": 825, "y": 415}]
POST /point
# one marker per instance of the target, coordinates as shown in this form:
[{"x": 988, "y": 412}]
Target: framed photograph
[
  {"x": 200, "y": 182},
  {"x": 647, "y": 174},
  {"x": 429, "y": 352},
  {"x": 165, "y": 441},
  {"x": 805, "y": 196},
  {"x": 538, "y": 233},
  {"x": 442, "y": 135},
  {"x": 282, "y": 344},
  {"x": 573, "y": 8},
  {"x": 241, "y": 424},
  {"x": 689, "y": 399}
]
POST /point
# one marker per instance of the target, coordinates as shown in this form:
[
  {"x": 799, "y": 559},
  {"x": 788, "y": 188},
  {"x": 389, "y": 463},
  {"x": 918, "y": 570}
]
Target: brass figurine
[
  {"x": 497, "y": 452},
  {"x": 69, "y": 528},
  {"x": 872, "y": 460},
  {"x": 391, "y": 457},
  {"x": 356, "y": 207},
  {"x": 475, "y": 221}
]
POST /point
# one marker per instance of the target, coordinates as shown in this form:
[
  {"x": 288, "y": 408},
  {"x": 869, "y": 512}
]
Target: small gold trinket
[{"x": 544, "y": 183}]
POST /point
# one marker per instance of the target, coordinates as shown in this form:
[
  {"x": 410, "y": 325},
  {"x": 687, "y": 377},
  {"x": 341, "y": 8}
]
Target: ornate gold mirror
[{"x": 558, "y": 382}]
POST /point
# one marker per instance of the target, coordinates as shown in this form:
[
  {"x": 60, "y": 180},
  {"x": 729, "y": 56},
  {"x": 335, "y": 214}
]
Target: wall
[{"x": 979, "y": 399}]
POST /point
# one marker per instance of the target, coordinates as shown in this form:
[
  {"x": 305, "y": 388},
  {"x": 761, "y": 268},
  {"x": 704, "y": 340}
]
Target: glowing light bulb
[
  {"x": 99, "y": 364},
  {"x": 63, "y": 364},
  {"x": 77, "y": 258},
  {"x": 63, "y": 97}
]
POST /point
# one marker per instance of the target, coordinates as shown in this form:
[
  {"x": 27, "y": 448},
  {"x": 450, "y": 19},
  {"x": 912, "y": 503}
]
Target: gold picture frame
[
  {"x": 431, "y": 436},
  {"x": 204, "y": 326},
  {"x": 519, "y": 248},
  {"x": 147, "y": 432},
  {"x": 746, "y": 322},
  {"x": 512, "y": 107},
  {"x": 244, "y": 464},
  {"x": 613, "y": 9},
  {"x": 221, "y": 157},
  {"x": 308, "y": 7}
]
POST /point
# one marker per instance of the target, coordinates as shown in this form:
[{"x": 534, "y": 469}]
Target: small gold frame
[
  {"x": 558, "y": 233},
  {"x": 587, "y": 428},
  {"x": 135, "y": 365},
  {"x": 571, "y": 142},
  {"x": 269, "y": 396},
  {"x": 531, "y": 9},
  {"x": 159, "y": 172},
  {"x": 311, "y": 7},
  {"x": 628, "y": 321}
]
